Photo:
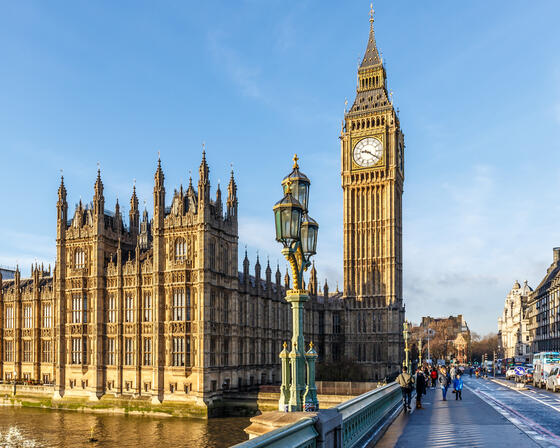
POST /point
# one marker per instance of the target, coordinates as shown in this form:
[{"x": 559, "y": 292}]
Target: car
[
  {"x": 553, "y": 380},
  {"x": 528, "y": 377},
  {"x": 510, "y": 373}
]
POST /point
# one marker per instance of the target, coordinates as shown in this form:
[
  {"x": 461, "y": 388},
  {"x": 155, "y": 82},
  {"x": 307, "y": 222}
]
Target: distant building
[
  {"x": 450, "y": 337},
  {"x": 543, "y": 310},
  {"x": 513, "y": 325}
]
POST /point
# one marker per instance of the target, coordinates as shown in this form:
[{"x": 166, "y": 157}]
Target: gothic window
[
  {"x": 110, "y": 355},
  {"x": 212, "y": 255},
  {"x": 180, "y": 249},
  {"x": 128, "y": 352},
  {"x": 47, "y": 316},
  {"x": 252, "y": 358},
  {"x": 46, "y": 351},
  {"x": 188, "y": 305},
  {"x": 147, "y": 307},
  {"x": 77, "y": 347},
  {"x": 77, "y": 311},
  {"x": 9, "y": 351},
  {"x": 9, "y": 317},
  {"x": 225, "y": 308},
  {"x": 79, "y": 259},
  {"x": 225, "y": 353},
  {"x": 178, "y": 353},
  {"x": 111, "y": 309},
  {"x": 212, "y": 305},
  {"x": 336, "y": 323},
  {"x": 27, "y": 352},
  {"x": 129, "y": 308},
  {"x": 212, "y": 351},
  {"x": 147, "y": 351},
  {"x": 27, "y": 317},
  {"x": 178, "y": 304},
  {"x": 188, "y": 351}
]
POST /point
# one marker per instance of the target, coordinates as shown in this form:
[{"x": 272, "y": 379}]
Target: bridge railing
[{"x": 347, "y": 425}]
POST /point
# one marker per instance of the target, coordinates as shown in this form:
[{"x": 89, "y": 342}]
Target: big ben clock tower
[{"x": 372, "y": 182}]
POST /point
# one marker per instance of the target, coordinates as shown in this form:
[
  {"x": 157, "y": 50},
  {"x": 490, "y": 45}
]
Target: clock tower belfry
[{"x": 372, "y": 182}]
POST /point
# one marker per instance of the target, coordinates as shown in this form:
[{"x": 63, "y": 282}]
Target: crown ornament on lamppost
[{"x": 297, "y": 232}]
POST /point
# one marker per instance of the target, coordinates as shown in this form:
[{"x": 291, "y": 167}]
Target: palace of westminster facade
[{"x": 158, "y": 307}]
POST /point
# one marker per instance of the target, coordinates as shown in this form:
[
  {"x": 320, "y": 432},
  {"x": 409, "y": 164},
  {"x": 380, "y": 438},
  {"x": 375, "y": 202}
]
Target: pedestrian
[
  {"x": 433, "y": 376},
  {"x": 470, "y": 371},
  {"x": 406, "y": 381},
  {"x": 420, "y": 387},
  {"x": 452, "y": 372},
  {"x": 444, "y": 380},
  {"x": 458, "y": 386}
]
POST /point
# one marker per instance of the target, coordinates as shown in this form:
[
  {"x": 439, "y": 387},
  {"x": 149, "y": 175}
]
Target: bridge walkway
[{"x": 467, "y": 423}]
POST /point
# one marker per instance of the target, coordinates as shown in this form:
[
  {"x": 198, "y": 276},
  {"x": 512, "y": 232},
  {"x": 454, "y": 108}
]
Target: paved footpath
[{"x": 472, "y": 422}]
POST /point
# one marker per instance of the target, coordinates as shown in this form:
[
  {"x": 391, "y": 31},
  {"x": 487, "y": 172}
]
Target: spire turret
[
  {"x": 313, "y": 280},
  {"x": 203, "y": 181},
  {"x": 134, "y": 214},
  {"x": 159, "y": 196},
  {"x": 98, "y": 198},
  {"x": 219, "y": 205},
  {"x": 232, "y": 197},
  {"x": 62, "y": 205}
]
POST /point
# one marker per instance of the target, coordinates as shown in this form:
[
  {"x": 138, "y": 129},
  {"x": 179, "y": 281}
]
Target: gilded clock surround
[{"x": 379, "y": 163}]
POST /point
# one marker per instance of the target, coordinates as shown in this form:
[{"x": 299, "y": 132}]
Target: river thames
[{"x": 29, "y": 428}]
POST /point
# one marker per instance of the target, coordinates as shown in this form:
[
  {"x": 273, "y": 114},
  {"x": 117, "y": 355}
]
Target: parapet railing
[
  {"x": 362, "y": 415},
  {"x": 301, "y": 434},
  {"x": 348, "y": 425}
]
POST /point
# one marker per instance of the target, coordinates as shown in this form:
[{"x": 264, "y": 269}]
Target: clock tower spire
[{"x": 372, "y": 181}]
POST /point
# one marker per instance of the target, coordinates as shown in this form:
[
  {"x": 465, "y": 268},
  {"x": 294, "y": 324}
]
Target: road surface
[{"x": 491, "y": 414}]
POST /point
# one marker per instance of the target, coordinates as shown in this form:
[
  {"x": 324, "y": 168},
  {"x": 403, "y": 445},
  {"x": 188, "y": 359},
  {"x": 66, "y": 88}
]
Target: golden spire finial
[
  {"x": 284, "y": 345},
  {"x": 371, "y": 13},
  {"x": 295, "y": 159},
  {"x": 311, "y": 345}
]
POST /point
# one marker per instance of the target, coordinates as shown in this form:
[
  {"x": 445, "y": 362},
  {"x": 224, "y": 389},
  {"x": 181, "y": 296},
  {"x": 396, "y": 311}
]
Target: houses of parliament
[{"x": 158, "y": 307}]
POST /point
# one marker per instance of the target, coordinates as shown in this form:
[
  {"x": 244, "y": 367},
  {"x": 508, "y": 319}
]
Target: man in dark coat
[{"x": 420, "y": 387}]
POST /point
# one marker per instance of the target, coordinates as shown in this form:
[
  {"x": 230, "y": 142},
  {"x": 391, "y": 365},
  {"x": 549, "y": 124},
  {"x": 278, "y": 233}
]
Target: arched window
[
  {"x": 180, "y": 249},
  {"x": 79, "y": 259}
]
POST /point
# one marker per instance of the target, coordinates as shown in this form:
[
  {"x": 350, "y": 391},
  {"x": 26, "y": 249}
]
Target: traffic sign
[{"x": 519, "y": 371}]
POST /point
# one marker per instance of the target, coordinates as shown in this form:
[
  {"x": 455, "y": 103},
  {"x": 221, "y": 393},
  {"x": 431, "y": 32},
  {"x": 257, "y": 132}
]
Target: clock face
[{"x": 368, "y": 152}]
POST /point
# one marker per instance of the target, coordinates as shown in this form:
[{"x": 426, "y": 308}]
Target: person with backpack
[
  {"x": 420, "y": 387},
  {"x": 406, "y": 381},
  {"x": 433, "y": 376},
  {"x": 458, "y": 387},
  {"x": 444, "y": 380}
]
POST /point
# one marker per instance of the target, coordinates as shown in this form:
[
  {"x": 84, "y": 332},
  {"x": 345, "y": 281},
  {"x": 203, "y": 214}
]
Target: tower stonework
[{"x": 372, "y": 146}]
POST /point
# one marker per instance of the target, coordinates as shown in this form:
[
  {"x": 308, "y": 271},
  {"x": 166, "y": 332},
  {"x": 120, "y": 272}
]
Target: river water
[{"x": 30, "y": 428}]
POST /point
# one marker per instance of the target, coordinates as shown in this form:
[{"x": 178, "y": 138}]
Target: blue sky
[{"x": 477, "y": 84}]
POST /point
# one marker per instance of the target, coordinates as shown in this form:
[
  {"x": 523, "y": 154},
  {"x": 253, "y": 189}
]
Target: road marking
[
  {"x": 540, "y": 401},
  {"x": 531, "y": 428}
]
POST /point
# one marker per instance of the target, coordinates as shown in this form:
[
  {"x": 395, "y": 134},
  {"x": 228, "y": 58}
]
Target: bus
[{"x": 542, "y": 364}]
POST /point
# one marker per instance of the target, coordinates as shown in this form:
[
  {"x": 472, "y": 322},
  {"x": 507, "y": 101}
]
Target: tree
[{"x": 480, "y": 345}]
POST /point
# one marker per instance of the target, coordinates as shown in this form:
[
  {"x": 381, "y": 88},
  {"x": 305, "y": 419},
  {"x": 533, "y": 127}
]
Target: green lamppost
[{"x": 298, "y": 234}]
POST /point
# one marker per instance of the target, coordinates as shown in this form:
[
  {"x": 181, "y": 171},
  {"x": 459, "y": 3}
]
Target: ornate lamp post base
[{"x": 297, "y": 299}]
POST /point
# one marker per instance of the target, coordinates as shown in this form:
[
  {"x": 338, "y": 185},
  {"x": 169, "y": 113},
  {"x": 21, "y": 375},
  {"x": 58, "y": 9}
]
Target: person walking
[
  {"x": 452, "y": 372},
  {"x": 444, "y": 380},
  {"x": 433, "y": 376},
  {"x": 470, "y": 371},
  {"x": 420, "y": 387},
  {"x": 458, "y": 387},
  {"x": 406, "y": 381}
]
